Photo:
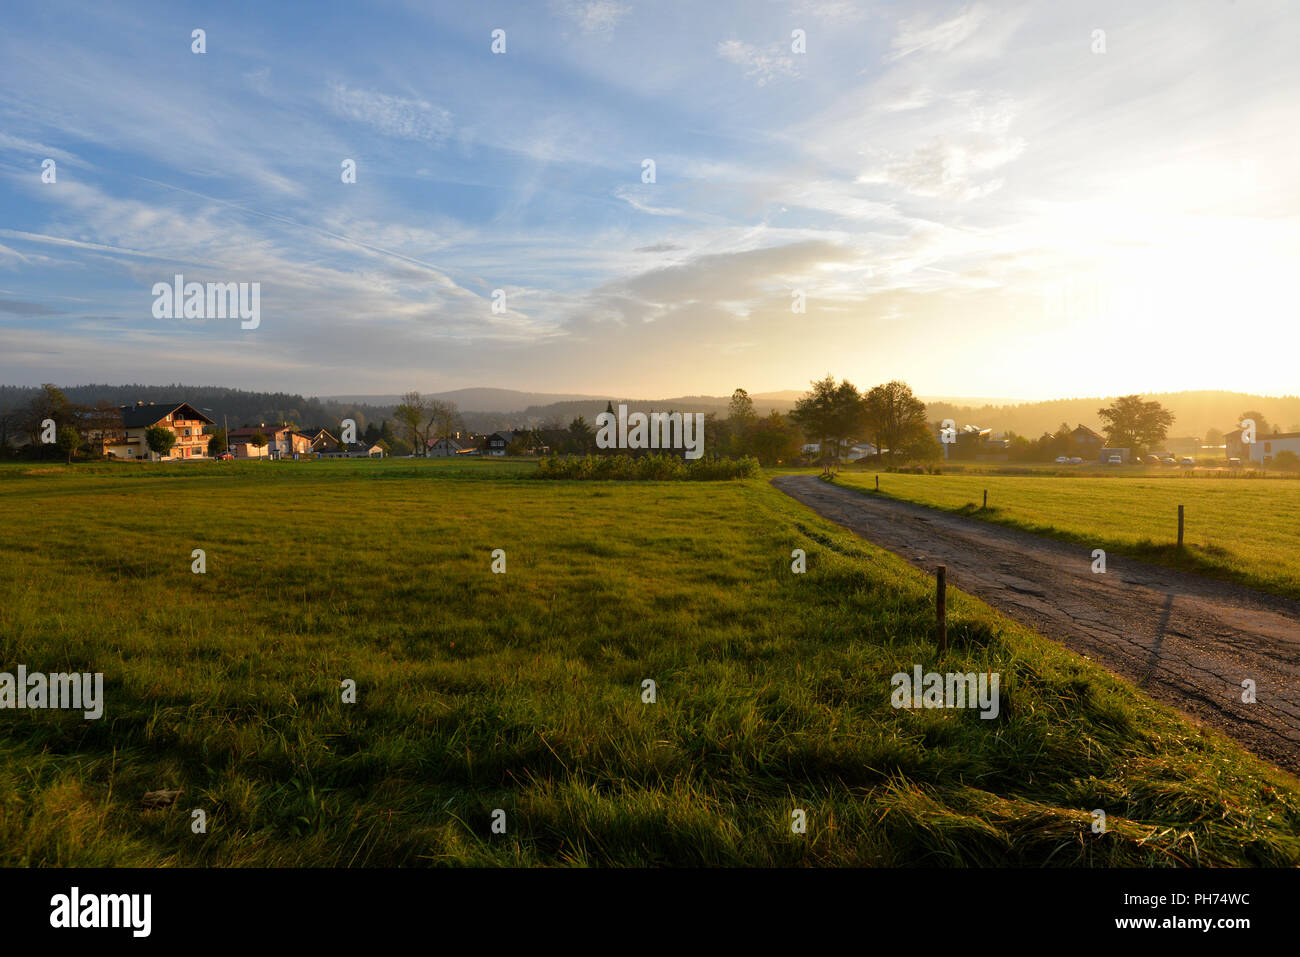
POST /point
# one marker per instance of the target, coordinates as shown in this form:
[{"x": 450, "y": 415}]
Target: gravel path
[{"x": 1185, "y": 640}]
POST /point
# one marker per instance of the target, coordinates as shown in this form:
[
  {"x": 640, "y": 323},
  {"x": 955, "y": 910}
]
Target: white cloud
[
  {"x": 921, "y": 33},
  {"x": 393, "y": 115},
  {"x": 633, "y": 199},
  {"x": 592, "y": 16},
  {"x": 762, "y": 64}
]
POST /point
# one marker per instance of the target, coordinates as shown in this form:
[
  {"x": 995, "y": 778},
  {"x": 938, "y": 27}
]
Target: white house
[{"x": 1266, "y": 447}]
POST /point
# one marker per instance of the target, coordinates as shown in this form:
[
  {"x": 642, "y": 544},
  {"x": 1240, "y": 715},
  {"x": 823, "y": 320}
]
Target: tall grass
[{"x": 523, "y": 691}]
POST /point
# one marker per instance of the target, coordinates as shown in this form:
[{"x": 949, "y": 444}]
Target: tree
[
  {"x": 69, "y": 440},
  {"x": 371, "y": 435},
  {"x": 895, "y": 416},
  {"x": 1261, "y": 424},
  {"x": 774, "y": 439},
  {"x": 1286, "y": 460},
  {"x": 258, "y": 440},
  {"x": 1133, "y": 424},
  {"x": 917, "y": 443},
  {"x": 741, "y": 407},
  {"x": 411, "y": 413},
  {"x": 49, "y": 403},
  {"x": 219, "y": 442},
  {"x": 740, "y": 421},
  {"x": 830, "y": 413},
  {"x": 102, "y": 424},
  {"x": 1214, "y": 437},
  {"x": 582, "y": 436},
  {"x": 160, "y": 439},
  {"x": 441, "y": 419}
]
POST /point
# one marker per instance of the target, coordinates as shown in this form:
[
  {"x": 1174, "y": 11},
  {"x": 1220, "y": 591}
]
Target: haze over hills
[
  {"x": 513, "y": 400},
  {"x": 489, "y": 409}
]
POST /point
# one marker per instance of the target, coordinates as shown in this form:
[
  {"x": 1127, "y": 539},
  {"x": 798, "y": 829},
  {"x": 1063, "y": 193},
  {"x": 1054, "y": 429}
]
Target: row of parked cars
[{"x": 1186, "y": 461}]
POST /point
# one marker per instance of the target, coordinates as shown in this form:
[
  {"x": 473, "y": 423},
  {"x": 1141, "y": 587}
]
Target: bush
[
  {"x": 1286, "y": 460},
  {"x": 645, "y": 468}
]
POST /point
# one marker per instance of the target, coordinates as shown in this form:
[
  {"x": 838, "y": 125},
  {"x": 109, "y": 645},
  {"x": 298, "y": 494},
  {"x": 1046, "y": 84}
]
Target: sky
[{"x": 1027, "y": 200}]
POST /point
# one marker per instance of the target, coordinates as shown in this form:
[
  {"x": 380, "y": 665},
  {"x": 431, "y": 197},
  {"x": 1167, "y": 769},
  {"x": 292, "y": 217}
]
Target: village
[{"x": 180, "y": 431}]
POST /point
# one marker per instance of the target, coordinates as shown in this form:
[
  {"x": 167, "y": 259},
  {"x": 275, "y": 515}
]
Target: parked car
[
  {"x": 1061, "y": 460},
  {"x": 1187, "y": 462},
  {"x": 1075, "y": 460},
  {"x": 1151, "y": 459},
  {"x": 1168, "y": 460},
  {"x": 1114, "y": 460},
  {"x": 225, "y": 455},
  {"x": 1234, "y": 463}
]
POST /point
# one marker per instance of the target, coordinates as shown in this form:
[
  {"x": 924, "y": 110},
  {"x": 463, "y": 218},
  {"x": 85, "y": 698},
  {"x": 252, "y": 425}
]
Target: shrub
[{"x": 1286, "y": 460}]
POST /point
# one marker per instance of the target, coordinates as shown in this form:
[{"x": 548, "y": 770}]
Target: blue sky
[{"x": 969, "y": 196}]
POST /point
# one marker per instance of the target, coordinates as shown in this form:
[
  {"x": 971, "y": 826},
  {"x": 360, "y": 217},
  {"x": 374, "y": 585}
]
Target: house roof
[
  {"x": 142, "y": 415},
  {"x": 269, "y": 431},
  {"x": 1087, "y": 432},
  {"x": 452, "y": 443}
]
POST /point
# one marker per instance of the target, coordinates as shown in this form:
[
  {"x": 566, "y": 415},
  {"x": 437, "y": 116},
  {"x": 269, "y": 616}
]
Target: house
[
  {"x": 355, "y": 450},
  {"x": 320, "y": 439},
  {"x": 498, "y": 442},
  {"x": 1236, "y": 448},
  {"x": 1085, "y": 443},
  {"x": 282, "y": 442},
  {"x": 1266, "y": 447},
  {"x": 851, "y": 450},
  {"x": 859, "y": 451},
  {"x": 458, "y": 443},
  {"x": 185, "y": 422}
]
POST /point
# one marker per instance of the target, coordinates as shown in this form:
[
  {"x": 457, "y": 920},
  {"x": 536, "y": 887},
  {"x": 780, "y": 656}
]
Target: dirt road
[{"x": 1185, "y": 640}]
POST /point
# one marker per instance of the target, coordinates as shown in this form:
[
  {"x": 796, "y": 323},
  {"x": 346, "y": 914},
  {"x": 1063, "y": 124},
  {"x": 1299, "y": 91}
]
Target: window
[{"x": 1268, "y": 446}]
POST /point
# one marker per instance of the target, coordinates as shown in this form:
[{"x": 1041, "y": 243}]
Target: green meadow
[
  {"x": 523, "y": 691},
  {"x": 1243, "y": 530}
]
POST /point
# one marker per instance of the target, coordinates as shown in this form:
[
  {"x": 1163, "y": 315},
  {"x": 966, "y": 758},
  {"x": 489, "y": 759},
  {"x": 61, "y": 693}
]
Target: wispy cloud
[
  {"x": 921, "y": 32},
  {"x": 761, "y": 64},
  {"x": 592, "y": 16},
  {"x": 392, "y": 115}
]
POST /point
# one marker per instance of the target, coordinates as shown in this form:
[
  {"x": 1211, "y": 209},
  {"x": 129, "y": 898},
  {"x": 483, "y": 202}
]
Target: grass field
[
  {"x": 1244, "y": 530},
  {"x": 523, "y": 691}
]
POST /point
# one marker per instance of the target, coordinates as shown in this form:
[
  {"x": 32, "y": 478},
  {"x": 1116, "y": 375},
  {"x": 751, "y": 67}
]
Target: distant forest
[{"x": 1195, "y": 412}]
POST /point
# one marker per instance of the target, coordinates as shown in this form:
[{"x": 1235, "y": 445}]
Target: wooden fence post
[
  {"x": 1180, "y": 526},
  {"x": 986, "y": 498},
  {"x": 877, "y": 481},
  {"x": 941, "y": 605}
]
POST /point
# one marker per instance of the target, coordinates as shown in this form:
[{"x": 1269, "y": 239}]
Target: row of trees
[{"x": 890, "y": 415}]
